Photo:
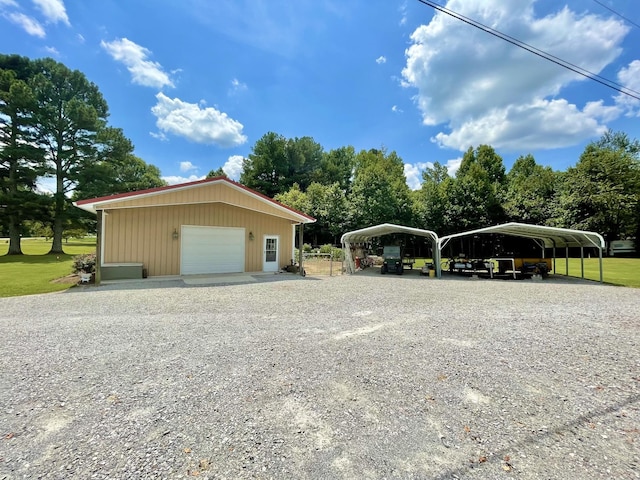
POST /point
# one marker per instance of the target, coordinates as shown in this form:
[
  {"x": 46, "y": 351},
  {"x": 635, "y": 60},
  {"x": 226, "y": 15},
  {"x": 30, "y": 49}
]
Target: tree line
[
  {"x": 347, "y": 190},
  {"x": 53, "y": 123}
]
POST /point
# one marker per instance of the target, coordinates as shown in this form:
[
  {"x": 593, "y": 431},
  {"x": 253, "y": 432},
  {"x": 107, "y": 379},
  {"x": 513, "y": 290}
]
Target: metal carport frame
[
  {"x": 546, "y": 237},
  {"x": 365, "y": 234}
]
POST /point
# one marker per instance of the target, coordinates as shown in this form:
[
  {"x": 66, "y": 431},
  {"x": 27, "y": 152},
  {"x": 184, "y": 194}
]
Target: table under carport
[
  {"x": 364, "y": 235},
  {"x": 545, "y": 237}
]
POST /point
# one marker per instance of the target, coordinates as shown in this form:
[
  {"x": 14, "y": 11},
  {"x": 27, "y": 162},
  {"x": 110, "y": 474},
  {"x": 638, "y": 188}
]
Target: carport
[
  {"x": 544, "y": 237},
  {"x": 366, "y": 234}
]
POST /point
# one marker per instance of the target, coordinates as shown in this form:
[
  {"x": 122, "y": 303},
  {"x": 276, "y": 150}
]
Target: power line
[
  {"x": 536, "y": 51},
  {"x": 618, "y": 14}
]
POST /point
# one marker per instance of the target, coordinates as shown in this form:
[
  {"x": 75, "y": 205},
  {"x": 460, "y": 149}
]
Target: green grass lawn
[
  {"x": 34, "y": 271},
  {"x": 616, "y": 271}
]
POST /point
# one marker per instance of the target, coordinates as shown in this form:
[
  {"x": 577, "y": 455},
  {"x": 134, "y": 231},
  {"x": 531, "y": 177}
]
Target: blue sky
[{"x": 195, "y": 83}]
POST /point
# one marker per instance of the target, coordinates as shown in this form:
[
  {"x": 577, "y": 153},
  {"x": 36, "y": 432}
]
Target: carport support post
[
  {"x": 582, "y": 261},
  {"x": 300, "y": 253},
  {"x": 566, "y": 258},
  {"x": 600, "y": 258}
]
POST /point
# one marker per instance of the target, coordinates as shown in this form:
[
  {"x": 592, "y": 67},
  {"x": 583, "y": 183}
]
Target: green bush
[{"x": 85, "y": 263}]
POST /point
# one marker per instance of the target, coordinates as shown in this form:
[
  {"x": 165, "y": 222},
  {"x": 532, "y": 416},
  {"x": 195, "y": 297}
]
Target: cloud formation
[
  {"x": 381, "y": 59},
  {"x": 233, "y": 167},
  {"x": 187, "y": 166},
  {"x": 27, "y": 23},
  {"x": 201, "y": 125},
  {"x": 176, "y": 179},
  {"x": 143, "y": 71},
  {"x": 53, "y": 10},
  {"x": 486, "y": 90}
]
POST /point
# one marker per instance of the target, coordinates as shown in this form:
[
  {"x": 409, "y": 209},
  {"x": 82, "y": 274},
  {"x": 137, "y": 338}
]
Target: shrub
[{"x": 85, "y": 263}]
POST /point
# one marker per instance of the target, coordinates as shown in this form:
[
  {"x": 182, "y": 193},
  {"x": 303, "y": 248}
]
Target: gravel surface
[{"x": 364, "y": 376}]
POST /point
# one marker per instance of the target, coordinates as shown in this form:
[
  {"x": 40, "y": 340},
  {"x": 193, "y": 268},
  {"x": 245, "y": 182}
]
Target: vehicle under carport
[
  {"x": 365, "y": 235},
  {"x": 546, "y": 238}
]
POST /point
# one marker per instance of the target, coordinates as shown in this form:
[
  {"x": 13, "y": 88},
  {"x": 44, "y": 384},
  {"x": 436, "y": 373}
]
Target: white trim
[
  {"x": 293, "y": 243},
  {"x": 102, "y": 236}
]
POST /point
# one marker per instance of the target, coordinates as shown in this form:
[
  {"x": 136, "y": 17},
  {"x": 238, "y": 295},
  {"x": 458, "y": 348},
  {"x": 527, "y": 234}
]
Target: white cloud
[
  {"x": 28, "y": 24},
  {"x": 413, "y": 172},
  {"x": 143, "y": 71},
  {"x": 453, "y": 166},
  {"x": 381, "y": 59},
  {"x": 52, "y": 50},
  {"x": 8, "y": 3},
  {"x": 159, "y": 136},
  {"x": 80, "y": 38},
  {"x": 187, "y": 166},
  {"x": 176, "y": 179},
  {"x": 237, "y": 86},
  {"x": 539, "y": 124},
  {"x": 233, "y": 167},
  {"x": 486, "y": 90},
  {"x": 200, "y": 125},
  {"x": 396, "y": 109},
  {"x": 53, "y": 10},
  {"x": 630, "y": 78},
  {"x": 403, "y": 13}
]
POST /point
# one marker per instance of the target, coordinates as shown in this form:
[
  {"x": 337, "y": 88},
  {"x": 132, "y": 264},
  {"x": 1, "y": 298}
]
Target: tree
[
  {"x": 115, "y": 168},
  {"x": 431, "y": 202},
  {"x": 328, "y": 205},
  {"x": 295, "y": 198},
  {"x": 379, "y": 193},
  {"x": 531, "y": 191},
  {"x": 21, "y": 161},
  {"x": 602, "y": 192},
  {"x": 217, "y": 173},
  {"x": 266, "y": 166},
  {"x": 275, "y": 164},
  {"x": 71, "y": 111},
  {"x": 476, "y": 194},
  {"x": 337, "y": 166}
]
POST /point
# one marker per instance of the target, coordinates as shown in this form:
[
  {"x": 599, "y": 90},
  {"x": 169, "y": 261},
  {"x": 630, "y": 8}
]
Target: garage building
[{"x": 209, "y": 226}]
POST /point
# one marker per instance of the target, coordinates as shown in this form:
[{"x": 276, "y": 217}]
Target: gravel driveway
[{"x": 335, "y": 378}]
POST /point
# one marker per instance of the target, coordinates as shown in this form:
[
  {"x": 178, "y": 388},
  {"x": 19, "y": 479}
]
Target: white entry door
[{"x": 270, "y": 259}]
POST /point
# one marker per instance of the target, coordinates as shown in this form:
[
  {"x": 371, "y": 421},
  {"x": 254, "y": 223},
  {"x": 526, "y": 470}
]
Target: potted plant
[{"x": 85, "y": 266}]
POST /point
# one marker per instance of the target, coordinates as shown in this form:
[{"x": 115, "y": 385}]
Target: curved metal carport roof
[
  {"x": 365, "y": 234},
  {"x": 546, "y": 237}
]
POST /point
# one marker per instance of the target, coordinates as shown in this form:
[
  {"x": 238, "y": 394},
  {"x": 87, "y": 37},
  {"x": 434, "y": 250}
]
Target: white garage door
[{"x": 211, "y": 250}]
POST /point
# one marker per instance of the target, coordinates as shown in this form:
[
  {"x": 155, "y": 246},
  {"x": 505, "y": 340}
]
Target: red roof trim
[{"x": 122, "y": 196}]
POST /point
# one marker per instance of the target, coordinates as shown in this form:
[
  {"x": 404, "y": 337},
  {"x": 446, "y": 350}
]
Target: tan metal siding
[
  {"x": 204, "y": 194},
  {"x": 146, "y": 234}
]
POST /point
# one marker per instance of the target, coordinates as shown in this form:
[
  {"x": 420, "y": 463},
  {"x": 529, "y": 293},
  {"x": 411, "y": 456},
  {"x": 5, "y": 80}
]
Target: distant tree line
[
  {"x": 346, "y": 190},
  {"x": 53, "y": 123}
]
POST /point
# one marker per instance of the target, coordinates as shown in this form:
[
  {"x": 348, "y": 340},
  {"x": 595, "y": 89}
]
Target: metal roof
[
  {"x": 94, "y": 204},
  {"x": 365, "y": 234},
  {"x": 551, "y": 236}
]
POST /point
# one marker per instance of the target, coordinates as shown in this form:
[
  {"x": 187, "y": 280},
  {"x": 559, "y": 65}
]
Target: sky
[{"x": 195, "y": 83}]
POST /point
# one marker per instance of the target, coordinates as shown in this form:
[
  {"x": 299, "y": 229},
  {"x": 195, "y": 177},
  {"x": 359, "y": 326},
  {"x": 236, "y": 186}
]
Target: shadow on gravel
[{"x": 567, "y": 427}]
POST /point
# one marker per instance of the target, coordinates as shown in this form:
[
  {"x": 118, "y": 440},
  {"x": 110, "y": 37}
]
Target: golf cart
[{"x": 392, "y": 260}]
